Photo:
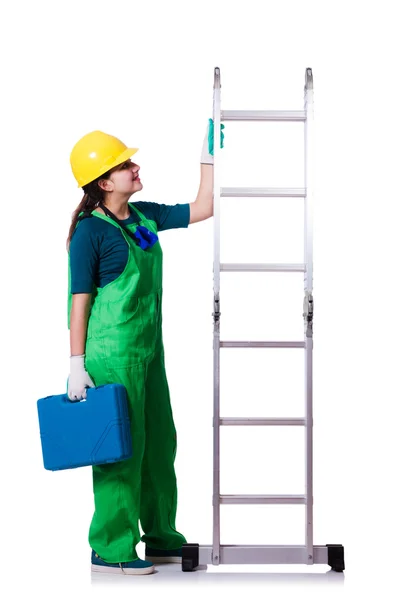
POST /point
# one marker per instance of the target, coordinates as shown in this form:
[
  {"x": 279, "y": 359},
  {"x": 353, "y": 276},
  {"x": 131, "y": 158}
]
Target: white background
[{"x": 143, "y": 71}]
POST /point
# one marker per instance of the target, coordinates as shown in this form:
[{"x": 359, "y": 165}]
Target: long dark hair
[{"x": 93, "y": 195}]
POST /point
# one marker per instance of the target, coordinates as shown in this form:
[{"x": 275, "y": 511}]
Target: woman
[{"x": 115, "y": 321}]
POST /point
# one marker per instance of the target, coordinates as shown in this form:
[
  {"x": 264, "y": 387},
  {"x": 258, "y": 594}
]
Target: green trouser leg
[
  {"x": 114, "y": 530},
  {"x": 159, "y": 489},
  {"x": 144, "y": 486}
]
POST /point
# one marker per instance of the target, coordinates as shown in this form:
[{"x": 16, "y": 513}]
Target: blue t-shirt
[{"x": 99, "y": 252}]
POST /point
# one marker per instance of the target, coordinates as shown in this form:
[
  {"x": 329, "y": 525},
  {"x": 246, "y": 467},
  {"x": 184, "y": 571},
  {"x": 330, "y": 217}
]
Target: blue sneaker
[
  {"x": 135, "y": 567},
  {"x": 163, "y": 556}
]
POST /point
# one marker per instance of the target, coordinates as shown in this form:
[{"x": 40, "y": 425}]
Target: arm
[
  {"x": 79, "y": 379},
  {"x": 78, "y": 323},
  {"x": 203, "y": 207}
]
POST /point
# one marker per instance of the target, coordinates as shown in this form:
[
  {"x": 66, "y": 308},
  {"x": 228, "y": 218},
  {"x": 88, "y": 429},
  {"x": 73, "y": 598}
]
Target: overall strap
[
  {"x": 138, "y": 212},
  {"x": 112, "y": 216},
  {"x": 142, "y": 236}
]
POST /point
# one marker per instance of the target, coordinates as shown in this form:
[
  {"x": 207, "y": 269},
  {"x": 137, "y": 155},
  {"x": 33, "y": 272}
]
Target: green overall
[{"x": 124, "y": 345}]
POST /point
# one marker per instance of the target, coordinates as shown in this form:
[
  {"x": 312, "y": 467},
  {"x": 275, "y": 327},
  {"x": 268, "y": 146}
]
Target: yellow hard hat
[{"x": 96, "y": 153}]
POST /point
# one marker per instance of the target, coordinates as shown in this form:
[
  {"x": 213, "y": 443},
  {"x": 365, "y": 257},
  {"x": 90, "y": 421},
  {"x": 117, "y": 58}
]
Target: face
[{"x": 124, "y": 179}]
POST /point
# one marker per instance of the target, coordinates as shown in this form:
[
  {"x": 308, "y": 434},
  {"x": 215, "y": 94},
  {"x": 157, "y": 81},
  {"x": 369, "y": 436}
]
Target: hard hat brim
[{"x": 128, "y": 152}]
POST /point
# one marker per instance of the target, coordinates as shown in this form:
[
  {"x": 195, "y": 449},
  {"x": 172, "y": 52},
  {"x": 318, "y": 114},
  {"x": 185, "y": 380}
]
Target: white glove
[
  {"x": 79, "y": 379},
  {"x": 206, "y": 157}
]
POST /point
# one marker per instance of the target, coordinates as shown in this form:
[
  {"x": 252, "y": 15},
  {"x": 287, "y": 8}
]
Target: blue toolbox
[{"x": 87, "y": 432}]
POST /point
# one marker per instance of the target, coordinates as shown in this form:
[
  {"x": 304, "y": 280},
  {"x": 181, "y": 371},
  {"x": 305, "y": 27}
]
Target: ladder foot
[
  {"x": 336, "y": 557},
  {"x": 190, "y": 557}
]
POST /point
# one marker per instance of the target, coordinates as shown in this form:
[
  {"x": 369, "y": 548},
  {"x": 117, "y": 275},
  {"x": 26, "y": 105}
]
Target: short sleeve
[
  {"x": 84, "y": 258},
  {"x": 167, "y": 216}
]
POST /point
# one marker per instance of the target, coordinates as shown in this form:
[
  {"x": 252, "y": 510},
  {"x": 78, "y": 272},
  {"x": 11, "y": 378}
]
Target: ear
[{"x": 106, "y": 185}]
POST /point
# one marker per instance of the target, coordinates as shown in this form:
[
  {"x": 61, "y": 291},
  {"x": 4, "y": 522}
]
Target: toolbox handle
[{"x": 66, "y": 398}]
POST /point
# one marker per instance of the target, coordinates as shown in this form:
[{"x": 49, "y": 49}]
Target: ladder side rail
[
  {"x": 216, "y": 315},
  {"x": 308, "y": 309}
]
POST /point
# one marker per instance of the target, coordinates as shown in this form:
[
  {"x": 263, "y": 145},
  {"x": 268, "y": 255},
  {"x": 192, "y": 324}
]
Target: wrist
[
  {"x": 77, "y": 361},
  {"x": 206, "y": 158}
]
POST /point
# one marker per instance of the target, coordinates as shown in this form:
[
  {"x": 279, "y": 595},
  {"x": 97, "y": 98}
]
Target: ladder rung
[
  {"x": 254, "y": 192},
  {"x": 267, "y": 499},
  {"x": 268, "y": 555},
  {"x": 260, "y": 421},
  {"x": 277, "y": 268},
  {"x": 263, "y": 115},
  {"x": 262, "y": 344}
]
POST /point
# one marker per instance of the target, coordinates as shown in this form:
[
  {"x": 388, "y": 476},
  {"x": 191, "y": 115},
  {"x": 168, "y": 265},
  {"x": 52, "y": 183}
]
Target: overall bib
[{"x": 124, "y": 345}]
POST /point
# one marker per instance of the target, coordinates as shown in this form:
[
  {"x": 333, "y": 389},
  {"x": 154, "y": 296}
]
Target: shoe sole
[
  {"x": 120, "y": 571},
  {"x": 158, "y": 560}
]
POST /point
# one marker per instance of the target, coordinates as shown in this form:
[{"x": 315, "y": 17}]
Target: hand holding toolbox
[{"x": 88, "y": 432}]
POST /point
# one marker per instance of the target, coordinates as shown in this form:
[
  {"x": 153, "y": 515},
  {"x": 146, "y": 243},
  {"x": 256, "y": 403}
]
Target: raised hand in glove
[{"x": 207, "y": 152}]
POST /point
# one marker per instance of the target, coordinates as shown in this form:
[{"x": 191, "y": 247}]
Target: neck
[{"x": 118, "y": 206}]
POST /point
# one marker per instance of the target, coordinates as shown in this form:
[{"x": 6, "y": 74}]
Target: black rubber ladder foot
[
  {"x": 336, "y": 557},
  {"x": 190, "y": 557}
]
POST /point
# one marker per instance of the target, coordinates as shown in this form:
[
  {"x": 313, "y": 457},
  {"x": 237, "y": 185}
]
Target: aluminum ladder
[{"x": 194, "y": 555}]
